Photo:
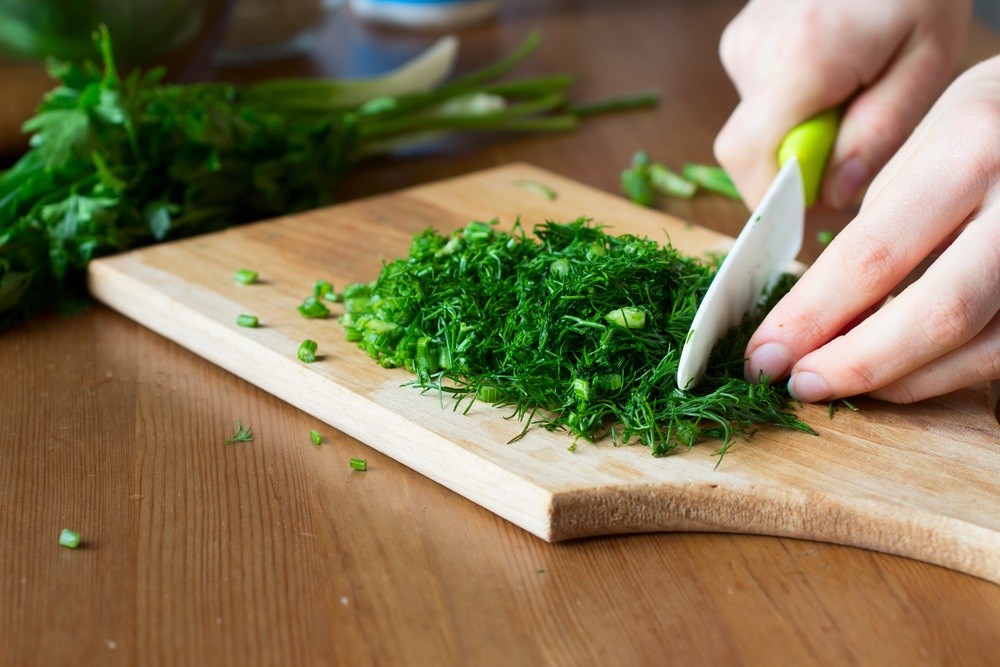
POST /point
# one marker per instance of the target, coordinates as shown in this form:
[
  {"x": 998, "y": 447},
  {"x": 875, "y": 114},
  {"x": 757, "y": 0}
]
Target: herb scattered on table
[
  {"x": 313, "y": 308},
  {"x": 249, "y": 321},
  {"x": 316, "y": 437},
  {"x": 824, "y": 237},
  {"x": 323, "y": 289},
  {"x": 537, "y": 186},
  {"x": 307, "y": 351},
  {"x": 359, "y": 464},
  {"x": 243, "y": 434},
  {"x": 245, "y": 277},
  {"x": 643, "y": 179},
  {"x": 69, "y": 538},
  {"x": 569, "y": 328},
  {"x": 119, "y": 161}
]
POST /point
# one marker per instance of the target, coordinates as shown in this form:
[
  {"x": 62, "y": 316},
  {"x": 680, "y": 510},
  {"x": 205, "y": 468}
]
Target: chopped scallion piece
[
  {"x": 635, "y": 180},
  {"x": 307, "y": 351},
  {"x": 316, "y": 437},
  {"x": 245, "y": 277},
  {"x": 627, "y": 317},
  {"x": 538, "y": 187},
  {"x": 359, "y": 464},
  {"x": 250, "y": 321},
  {"x": 711, "y": 178},
  {"x": 670, "y": 183},
  {"x": 323, "y": 289},
  {"x": 824, "y": 237},
  {"x": 69, "y": 538},
  {"x": 313, "y": 308},
  {"x": 487, "y": 393}
]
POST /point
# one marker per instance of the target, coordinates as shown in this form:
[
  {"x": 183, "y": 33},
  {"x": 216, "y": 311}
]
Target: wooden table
[{"x": 275, "y": 553}]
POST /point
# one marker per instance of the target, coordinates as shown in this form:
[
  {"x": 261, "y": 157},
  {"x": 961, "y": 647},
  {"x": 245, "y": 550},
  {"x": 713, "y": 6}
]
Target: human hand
[
  {"x": 937, "y": 198},
  {"x": 887, "y": 60}
]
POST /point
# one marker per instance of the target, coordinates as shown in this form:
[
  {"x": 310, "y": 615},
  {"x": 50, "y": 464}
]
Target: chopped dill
[
  {"x": 242, "y": 434},
  {"x": 569, "y": 327}
]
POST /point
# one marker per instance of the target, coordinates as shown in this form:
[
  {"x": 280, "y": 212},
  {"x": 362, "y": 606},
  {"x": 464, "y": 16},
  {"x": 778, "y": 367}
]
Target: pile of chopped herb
[
  {"x": 570, "y": 327},
  {"x": 118, "y": 161}
]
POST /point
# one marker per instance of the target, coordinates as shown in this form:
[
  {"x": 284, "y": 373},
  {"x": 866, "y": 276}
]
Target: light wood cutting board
[{"x": 921, "y": 481}]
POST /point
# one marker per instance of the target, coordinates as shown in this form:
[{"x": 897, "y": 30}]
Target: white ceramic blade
[{"x": 770, "y": 240}]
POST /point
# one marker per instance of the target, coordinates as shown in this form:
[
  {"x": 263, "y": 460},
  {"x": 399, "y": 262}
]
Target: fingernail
[
  {"x": 808, "y": 387},
  {"x": 847, "y": 182},
  {"x": 771, "y": 359}
]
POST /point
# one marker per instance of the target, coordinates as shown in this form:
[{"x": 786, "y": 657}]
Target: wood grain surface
[
  {"x": 276, "y": 553},
  {"x": 920, "y": 481}
]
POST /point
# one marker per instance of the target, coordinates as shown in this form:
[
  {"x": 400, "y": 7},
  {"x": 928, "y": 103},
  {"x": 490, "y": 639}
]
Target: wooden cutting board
[{"x": 921, "y": 481}]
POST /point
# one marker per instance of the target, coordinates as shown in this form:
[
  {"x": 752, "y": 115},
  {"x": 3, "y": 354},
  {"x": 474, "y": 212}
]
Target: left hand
[{"x": 938, "y": 198}]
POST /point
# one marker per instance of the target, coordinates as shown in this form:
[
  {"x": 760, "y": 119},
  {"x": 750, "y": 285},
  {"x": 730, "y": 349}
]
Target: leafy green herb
[
  {"x": 359, "y": 464},
  {"x": 69, "y": 538},
  {"x": 313, "y": 308},
  {"x": 316, "y": 438},
  {"x": 570, "y": 328},
  {"x": 242, "y": 434},
  {"x": 245, "y": 277},
  {"x": 307, "y": 351},
  {"x": 119, "y": 161},
  {"x": 250, "y": 321}
]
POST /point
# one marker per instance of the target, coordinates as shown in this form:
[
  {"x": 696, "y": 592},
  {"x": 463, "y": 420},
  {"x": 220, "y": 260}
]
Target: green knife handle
[{"x": 811, "y": 142}]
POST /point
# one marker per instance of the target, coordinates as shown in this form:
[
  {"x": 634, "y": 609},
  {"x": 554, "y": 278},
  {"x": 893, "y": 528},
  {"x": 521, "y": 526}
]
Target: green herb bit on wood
[
  {"x": 635, "y": 180},
  {"x": 307, "y": 351},
  {"x": 536, "y": 186},
  {"x": 824, "y": 237},
  {"x": 313, "y": 308},
  {"x": 323, "y": 289},
  {"x": 316, "y": 437},
  {"x": 69, "y": 538},
  {"x": 569, "y": 328},
  {"x": 359, "y": 464},
  {"x": 242, "y": 434},
  {"x": 669, "y": 183},
  {"x": 249, "y": 321},
  {"x": 245, "y": 277}
]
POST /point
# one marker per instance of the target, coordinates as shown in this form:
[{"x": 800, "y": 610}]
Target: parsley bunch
[
  {"x": 570, "y": 327},
  {"x": 121, "y": 161}
]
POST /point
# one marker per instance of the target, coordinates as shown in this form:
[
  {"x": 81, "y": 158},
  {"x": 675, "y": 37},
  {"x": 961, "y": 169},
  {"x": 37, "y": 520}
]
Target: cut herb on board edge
[
  {"x": 120, "y": 161},
  {"x": 568, "y": 328}
]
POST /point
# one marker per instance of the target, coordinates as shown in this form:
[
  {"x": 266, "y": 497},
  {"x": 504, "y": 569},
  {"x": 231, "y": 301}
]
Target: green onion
[
  {"x": 824, "y": 236},
  {"x": 313, "y": 308},
  {"x": 538, "y": 187},
  {"x": 711, "y": 178},
  {"x": 487, "y": 393},
  {"x": 242, "y": 434},
  {"x": 323, "y": 289},
  {"x": 627, "y": 317},
  {"x": 307, "y": 351},
  {"x": 359, "y": 464},
  {"x": 69, "y": 538},
  {"x": 250, "y": 321},
  {"x": 245, "y": 277},
  {"x": 635, "y": 180},
  {"x": 667, "y": 182},
  {"x": 316, "y": 437}
]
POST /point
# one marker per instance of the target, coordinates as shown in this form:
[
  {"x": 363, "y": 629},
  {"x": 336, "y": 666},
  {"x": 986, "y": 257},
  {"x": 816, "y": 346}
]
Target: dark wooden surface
[{"x": 274, "y": 552}]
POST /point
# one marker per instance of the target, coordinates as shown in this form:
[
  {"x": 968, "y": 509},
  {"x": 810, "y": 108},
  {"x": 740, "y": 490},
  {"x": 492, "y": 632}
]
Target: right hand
[{"x": 886, "y": 61}]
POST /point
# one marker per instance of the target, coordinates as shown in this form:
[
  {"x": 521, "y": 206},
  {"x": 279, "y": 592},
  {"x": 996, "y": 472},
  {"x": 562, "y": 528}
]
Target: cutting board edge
[
  {"x": 800, "y": 514},
  {"x": 480, "y": 478}
]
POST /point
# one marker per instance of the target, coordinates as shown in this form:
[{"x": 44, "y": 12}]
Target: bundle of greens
[
  {"x": 571, "y": 327},
  {"x": 120, "y": 161}
]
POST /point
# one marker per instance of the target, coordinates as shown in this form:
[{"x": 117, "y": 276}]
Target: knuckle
[
  {"x": 858, "y": 377},
  {"x": 949, "y": 320},
  {"x": 871, "y": 266},
  {"x": 987, "y": 360},
  {"x": 899, "y": 392}
]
